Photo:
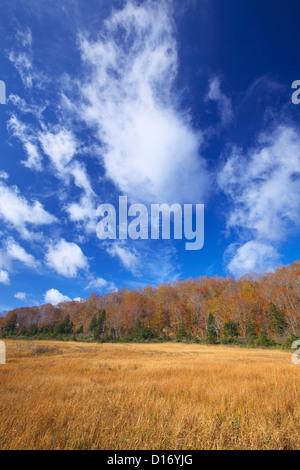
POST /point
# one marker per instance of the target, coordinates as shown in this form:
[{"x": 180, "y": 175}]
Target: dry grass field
[{"x": 58, "y": 395}]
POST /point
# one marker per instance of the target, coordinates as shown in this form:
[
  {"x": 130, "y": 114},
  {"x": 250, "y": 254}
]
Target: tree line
[{"x": 255, "y": 310}]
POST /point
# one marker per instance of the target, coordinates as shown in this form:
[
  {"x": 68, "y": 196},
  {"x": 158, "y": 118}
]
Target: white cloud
[
  {"x": 11, "y": 251},
  {"x": 66, "y": 258},
  {"x": 60, "y": 147},
  {"x": 54, "y": 297},
  {"x": 17, "y": 211},
  {"x": 17, "y": 252},
  {"x": 3, "y": 175},
  {"x": 263, "y": 186},
  {"x": 25, "y": 135},
  {"x": 21, "y": 57},
  {"x": 4, "y": 277},
  {"x": 81, "y": 177},
  {"x": 224, "y": 103},
  {"x": 83, "y": 210},
  {"x": 252, "y": 257},
  {"x": 100, "y": 284},
  {"x": 34, "y": 158},
  {"x": 20, "y": 296},
  {"x": 149, "y": 148},
  {"x": 25, "y": 108}
]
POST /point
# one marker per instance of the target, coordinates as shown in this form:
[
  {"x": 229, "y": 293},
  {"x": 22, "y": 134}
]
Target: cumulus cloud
[
  {"x": 17, "y": 211},
  {"x": 263, "y": 186},
  {"x": 252, "y": 257},
  {"x": 4, "y": 277},
  {"x": 54, "y": 297},
  {"x": 20, "y": 296},
  {"x": 223, "y": 102},
  {"x": 149, "y": 149},
  {"x": 66, "y": 258}
]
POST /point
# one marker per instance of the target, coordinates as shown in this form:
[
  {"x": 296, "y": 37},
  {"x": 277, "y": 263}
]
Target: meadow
[{"x": 69, "y": 395}]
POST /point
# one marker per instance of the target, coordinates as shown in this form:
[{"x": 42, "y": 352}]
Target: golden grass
[{"x": 58, "y": 395}]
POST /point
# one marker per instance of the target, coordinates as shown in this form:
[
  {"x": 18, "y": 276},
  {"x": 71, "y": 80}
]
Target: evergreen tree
[
  {"x": 80, "y": 330},
  {"x": 93, "y": 325},
  {"x": 65, "y": 327},
  {"x": 264, "y": 341},
  {"x": 33, "y": 331},
  {"x": 231, "y": 331},
  {"x": 250, "y": 328},
  {"x": 277, "y": 320},
  {"x": 100, "y": 325},
  {"x": 11, "y": 324},
  {"x": 180, "y": 332},
  {"x": 211, "y": 330},
  {"x": 138, "y": 330}
]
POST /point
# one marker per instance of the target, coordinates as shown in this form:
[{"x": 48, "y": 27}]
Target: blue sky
[{"x": 158, "y": 101}]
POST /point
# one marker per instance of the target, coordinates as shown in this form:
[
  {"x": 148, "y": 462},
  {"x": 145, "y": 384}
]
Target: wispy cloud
[
  {"x": 17, "y": 211},
  {"x": 13, "y": 253},
  {"x": 223, "y": 102},
  {"x": 129, "y": 257},
  {"x": 27, "y": 136},
  {"x": 21, "y": 57},
  {"x": 100, "y": 285},
  {"x": 18, "y": 253}
]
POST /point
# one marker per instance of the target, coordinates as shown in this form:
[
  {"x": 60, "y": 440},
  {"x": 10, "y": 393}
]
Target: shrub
[{"x": 264, "y": 341}]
